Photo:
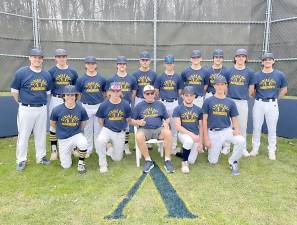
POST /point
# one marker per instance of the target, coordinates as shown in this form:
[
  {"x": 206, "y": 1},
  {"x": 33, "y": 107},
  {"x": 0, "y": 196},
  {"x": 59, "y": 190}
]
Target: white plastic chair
[{"x": 160, "y": 144}]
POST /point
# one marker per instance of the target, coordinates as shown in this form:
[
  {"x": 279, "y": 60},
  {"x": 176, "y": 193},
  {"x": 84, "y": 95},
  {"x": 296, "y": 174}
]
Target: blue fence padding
[{"x": 287, "y": 123}]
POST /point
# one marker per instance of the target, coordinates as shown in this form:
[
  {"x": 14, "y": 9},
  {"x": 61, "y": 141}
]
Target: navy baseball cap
[
  {"x": 267, "y": 55},
  {"x": 189, "y": 90},
  {"x": 196, "y": 54},
  {"x": 90, "y": 59},
  {"x": 115, "y": 86},
  {"x": 169, "y": 59},
  {"x": 36, "y": 52},
  {"x": 144, "y": 55},
  {"x": 60, "y": 52},
  {"x": 121, "y": 60},
  {"x": 220, "y": 79},
  {"x": 241, "y": 51},
  {"x": 218, "y": 53},
  {"x": 69, "y": 90}
]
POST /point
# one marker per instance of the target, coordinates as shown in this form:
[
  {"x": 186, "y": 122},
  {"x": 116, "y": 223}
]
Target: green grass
[{"x": 264, "y": 193}]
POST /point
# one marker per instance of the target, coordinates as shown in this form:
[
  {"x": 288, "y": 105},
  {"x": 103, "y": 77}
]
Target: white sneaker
[
  {"x": 185, "y": 167},
  {"x": 225, "y": 150},
  {"x": 271, "y": 155},
  {"x": 254, "y": 152},
  {"x": 245, "y": 153},
  {"x": 54, "y": 155},
  {"x": 103, "y": 169},
  {"x": 127, "y": 150}
]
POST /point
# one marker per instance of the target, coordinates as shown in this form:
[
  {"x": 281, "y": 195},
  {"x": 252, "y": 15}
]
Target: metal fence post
[
  {"x": 35, "y": 21},
  {"x": 267, "y": 27},
  {"x": 155, "y": 35}
]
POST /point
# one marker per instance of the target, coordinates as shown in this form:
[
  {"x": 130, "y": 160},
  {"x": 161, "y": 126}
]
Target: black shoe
[
  {"x": 44, "y": 161},
  {"x": 81, "y": 168},
  {"x": 148, "y": 165},
  {"x": 21, "y": 166},
  {"x": 168, "y": 166}
]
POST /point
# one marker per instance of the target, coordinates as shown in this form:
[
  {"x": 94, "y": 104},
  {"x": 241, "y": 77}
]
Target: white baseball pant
[
  {"x": 199, "y": 101},
  {"x": 67, "y": 145},
  {"x": 269, "y": 111},
  {"x": 28, "y": 119},
  {"x": 188, "y": 143},
  {"x": 54, "y": 101},
  {"x": 208, "y": 95},
  {"x": 118, "y": 142}
]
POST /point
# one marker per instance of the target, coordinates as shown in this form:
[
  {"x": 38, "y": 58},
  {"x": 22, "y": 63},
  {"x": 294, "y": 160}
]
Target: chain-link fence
[{"x": 126, "y": 27}]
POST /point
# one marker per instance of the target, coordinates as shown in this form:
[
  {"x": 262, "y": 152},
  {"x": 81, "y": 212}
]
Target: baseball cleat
[
  {"x": 234, "y": 169},
  {"x": 54, "y": 155},
  {"x": 148, "y": 165},
  {"x": 81, "y": 168},
  {"x": 245, "y": 153},
  {"x": 103, "y": 169},
  {"x": 254, "y": 153},
  {"x": 21, "y": 166},
  {"x": 271, "y": 155},
  {"x": 44, "y": 161},
  {"x": 185, "y": 167},
  {"x": 127, "y": 150},
  {"x": 168, "y": 166}
]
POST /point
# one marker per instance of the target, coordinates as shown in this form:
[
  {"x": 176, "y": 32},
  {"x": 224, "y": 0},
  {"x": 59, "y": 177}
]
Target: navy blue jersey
[
  {"x": 114, "y": 115},
  {"x": 219, "y": 112},
  {"x": 268, "y": 84},
  {"x": 189, "y": 117},
  {"x": 68, "y": 120},
  {"x": 212, "y": 76},
  {"x": 128, "y": 84},
  {"x": 169, "y": 85},
  {"x": 92, "y": 89},
  {"x": 153, "y": 114},
  {"x": 239, "y": 82},
  {"x": 142, "y": 79},
  {"x": 195, "y": 78},
  {"x": 61, "y": 78},
  {"x": 32, "y": 86}
]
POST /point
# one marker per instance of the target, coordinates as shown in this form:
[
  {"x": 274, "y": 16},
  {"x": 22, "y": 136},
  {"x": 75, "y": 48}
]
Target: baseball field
[{"x": 265, "y": 192}]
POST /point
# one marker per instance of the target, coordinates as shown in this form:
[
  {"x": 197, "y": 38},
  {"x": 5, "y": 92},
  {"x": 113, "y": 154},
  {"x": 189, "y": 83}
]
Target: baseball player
[
  {"x": 240, "y": 87},
  {"x": 196, "y": 76},
  {"x": 114, "y": 115},
  {"x": 169, "y": 86},
  {"x": 92, "y": 88},
  {"x": 62, "y": 75},
  {"x": 215, "y": 70},
  {"x": 69, "y": 119},
  {"x": 153, "y": 121},
  {"x": 143, "y": 76},
  {"x": 129, "y": 87},
  {"x": 218, "y": 112},
  {"x": 30, "y": 88},
  {"x": 270, "y": 84},
  {"x": 188, "y": 121}
]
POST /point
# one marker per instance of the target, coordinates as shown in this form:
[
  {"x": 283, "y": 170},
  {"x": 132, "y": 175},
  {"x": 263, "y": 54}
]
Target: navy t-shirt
[
  {"x": 128, "y": 84},
  {"x": 114, "y": 115},
  {"x": 195, "y": 78},
  {"x": 212, "y": 76},
  {"x": 219, "y": 111},
  {"x": 61, "y": 78},
  {"x": 68, "y": 120},
  {"x": 268, "y": 84},
  {"x": 238, "y": 83},
  {"x": 153, "y": 114},
  {"x": 189, "y": 117},
  {"x": 144, "y": 78},
  {"x": 92, "y": 89},
  {"x": 32, "y": 86},
  {"x": 169, "y": 85}
]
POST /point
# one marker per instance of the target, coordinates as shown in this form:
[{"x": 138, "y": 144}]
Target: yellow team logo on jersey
[
  {"x": 220, "y": 110},
  {"x": 38, "y": 85},
  {"x": 189, "y": 117},
  {"x": 144, "y": 80},
  {"x": 150, "y": 113},
  {"x": 169, "y": 85},
  {"x": 92, "y": 87},
  {"x": 195, "y": 79},
  {"x": 63, "y": 79},
  {"x": 213, "y": 78},
  {"x": 116, "y": 114},
  {"x": 267, "y": 84},
  {"x": 237, "y": 80},
  {"x": 125, "y": 86},
  {"x": 69, "y": 120}
]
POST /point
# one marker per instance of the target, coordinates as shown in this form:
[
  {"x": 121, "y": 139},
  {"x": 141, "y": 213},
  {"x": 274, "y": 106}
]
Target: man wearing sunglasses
[{"x": 153, "y": 121}]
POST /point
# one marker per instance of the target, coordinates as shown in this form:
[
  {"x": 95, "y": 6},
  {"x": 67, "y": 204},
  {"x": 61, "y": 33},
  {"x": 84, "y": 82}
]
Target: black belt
[
  {"x": 58, "y": 96},
  {"x": 266, "y": 99},
  {"x": 90, "y": 104},
  {"x": 237, "y": 98},
  {"x": 216, "y": 129},
  {"x": 33, "y": 105},
  {"x": 169, "y": 100}
]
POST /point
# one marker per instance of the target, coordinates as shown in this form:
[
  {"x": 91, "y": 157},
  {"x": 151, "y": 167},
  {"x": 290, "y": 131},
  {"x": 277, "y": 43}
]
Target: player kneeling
[
  {"x": 69, "y": 120},
  {"x": 217, "y": 113},
  {"x": 188, "y": 121}
]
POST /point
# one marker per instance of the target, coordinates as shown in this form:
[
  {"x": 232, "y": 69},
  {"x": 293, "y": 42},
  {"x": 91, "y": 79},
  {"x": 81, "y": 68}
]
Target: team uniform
[
  {"x": 197, "y": 79},
  {"x": 168, "y": 86},
  {"x": 92, "y": 89},
  {"x": 189, "y": 117},
  {"x": 219, "y": 112},
  {"x": 267, "y": 87},
  {"x": 114, "y": 126},
  {"x": 212, "y": 75},
  {"x": 33, "y": 88}
]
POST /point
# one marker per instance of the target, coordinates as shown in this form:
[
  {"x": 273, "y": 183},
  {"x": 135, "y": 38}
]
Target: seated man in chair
[{"x": 153, "y": 121}]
